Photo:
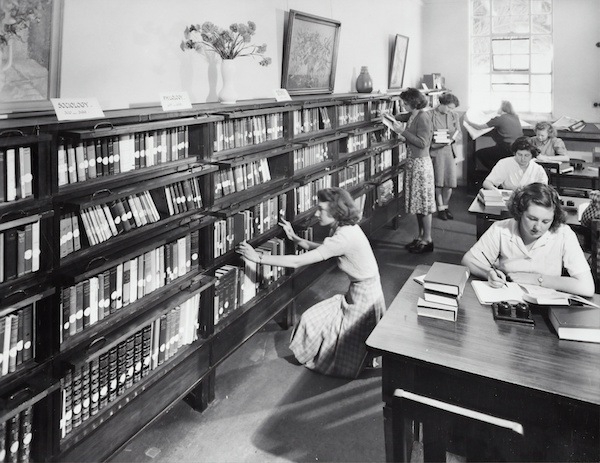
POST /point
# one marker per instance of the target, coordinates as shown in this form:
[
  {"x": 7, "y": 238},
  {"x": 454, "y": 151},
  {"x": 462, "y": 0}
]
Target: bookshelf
[{"x": 122, "y": 293}]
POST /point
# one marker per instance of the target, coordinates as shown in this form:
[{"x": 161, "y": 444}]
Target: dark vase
[{"x": 364, "y": 84}]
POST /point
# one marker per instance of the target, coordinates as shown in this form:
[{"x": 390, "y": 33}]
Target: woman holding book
[
  {"x": 533, "y": 247},
  {"x": 419, "y": 196},
  {"x": 446, "y": 129},
  {"x": 548, "y": 143},
  {"x": 330, "y": 337},
  {"x": 518, "y": 170}
]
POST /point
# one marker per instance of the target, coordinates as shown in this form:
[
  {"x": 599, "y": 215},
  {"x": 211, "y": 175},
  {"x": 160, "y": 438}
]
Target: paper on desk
[
  {"x": 564, "y": 122},
  {"x": 488, "y": 295}
]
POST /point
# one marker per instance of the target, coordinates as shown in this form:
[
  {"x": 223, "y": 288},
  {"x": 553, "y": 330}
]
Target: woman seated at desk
[
  {"x": 533, "y": 247},
  {"x": 551, "y": 147},
  {"x": 517, "y": 170}
]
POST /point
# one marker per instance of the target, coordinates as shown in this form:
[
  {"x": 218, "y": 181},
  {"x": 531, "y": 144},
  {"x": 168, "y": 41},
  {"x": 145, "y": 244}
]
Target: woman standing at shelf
[
  {"x": 446, "y": 128},
  {"x": 518, "y": 170},
  {"x": 330, "y": 337},
  {"x": 507, "y": 129},
  {"x": 419, "y": 182},
  {"x": 533, "y": 247},
  {"x": 548, "y": 143}
]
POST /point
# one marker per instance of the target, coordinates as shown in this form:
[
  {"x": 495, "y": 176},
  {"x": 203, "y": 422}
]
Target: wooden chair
[{"x": 450, "y": 428}]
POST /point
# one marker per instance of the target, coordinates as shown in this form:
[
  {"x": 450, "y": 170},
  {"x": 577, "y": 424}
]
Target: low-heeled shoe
[
  {"x": 449, "y": 214},
  {"x": 412, "y": 244},
  {"x": 422, "y": 248}
]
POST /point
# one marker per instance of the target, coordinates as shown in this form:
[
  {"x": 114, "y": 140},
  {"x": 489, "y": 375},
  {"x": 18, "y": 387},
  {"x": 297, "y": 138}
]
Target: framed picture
[
  {"x": 398, "y": 61},
  {"x": 30, "y": 34},
  {"x": 310, "y": 54}
]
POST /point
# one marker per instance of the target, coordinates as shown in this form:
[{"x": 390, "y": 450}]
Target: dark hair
[
  {"x": 523, "y": 143},
  {"x": 341, "y": 205},
  {"x": 449, "y": 98},
  {"x": 543, "y": 125},
  {"x": 414, "y": 98},
  {"x": 540, "y": 194}
]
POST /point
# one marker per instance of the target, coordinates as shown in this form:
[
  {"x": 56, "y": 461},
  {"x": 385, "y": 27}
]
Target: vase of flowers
[{"x": 229, "y": 44}]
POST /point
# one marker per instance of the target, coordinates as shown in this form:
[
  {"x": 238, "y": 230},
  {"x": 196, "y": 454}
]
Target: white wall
[{"x": 126, "y": 52}]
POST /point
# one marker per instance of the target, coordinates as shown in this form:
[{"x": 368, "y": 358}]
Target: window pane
[
  {"x": 541, "y": 64},
  {"x": 481, "y": 45},
  {"x": 480, "y": 83},
  {"x": 501, "y": 25},
  {"x": 481, "y": 26},
  {"x": 541, "y": 44},
  {"x": 510, "y": 78},
  {"x": 519, "y": 46},
  {"x": 520, "y": 24},
  {"x": 541, "y": 24},
  {"x": 540, "y": 7},
  {"x": 520, "y": 63},
  {"x": 481, "y": 7},
  {"x": 480, "y": 64},
  {"x": 541, "y": 102},
  {"x": 519, "y": 7},
  {"x": 541, "y": 83},
  {"x": 500, "y": 7},
  {"x": 502, "y": 63},
  {"x": 501, "y": 46}
]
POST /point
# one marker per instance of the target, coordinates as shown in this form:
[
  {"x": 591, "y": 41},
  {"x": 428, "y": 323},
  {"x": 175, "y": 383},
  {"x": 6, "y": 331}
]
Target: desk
[
  {"x": 484, "y": 217},
  {"x": 550, "y": 386}
]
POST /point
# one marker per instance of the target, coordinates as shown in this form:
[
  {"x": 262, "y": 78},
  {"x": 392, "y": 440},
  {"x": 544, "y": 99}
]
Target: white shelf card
[
  {"x": 175, "y": 101},
  {"x": 73, "y": 109},
  {"x": 281, "y": 94}
]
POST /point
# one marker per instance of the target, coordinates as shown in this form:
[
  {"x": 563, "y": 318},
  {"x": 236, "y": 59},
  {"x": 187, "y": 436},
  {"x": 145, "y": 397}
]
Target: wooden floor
[{"x": 270, "y": 409}]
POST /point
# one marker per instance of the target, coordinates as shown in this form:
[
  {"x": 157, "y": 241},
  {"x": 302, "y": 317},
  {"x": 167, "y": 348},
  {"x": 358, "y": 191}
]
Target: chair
[
  {"x": 595, "y": 246},
  {"x": 451, "y": 428}
]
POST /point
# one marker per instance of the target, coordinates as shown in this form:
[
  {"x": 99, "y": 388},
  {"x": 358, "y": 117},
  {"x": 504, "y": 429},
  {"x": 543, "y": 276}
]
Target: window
[{"x": 511, "y": 55}]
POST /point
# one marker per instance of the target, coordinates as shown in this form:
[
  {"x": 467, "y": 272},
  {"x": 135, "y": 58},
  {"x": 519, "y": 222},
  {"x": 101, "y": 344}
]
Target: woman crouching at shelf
[
  {"x": 533, "y": 247},
  {"x": 330, "y": 337}
]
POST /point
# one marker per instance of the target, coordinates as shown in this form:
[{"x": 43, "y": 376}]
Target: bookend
[{"x": 513, "y": 312}]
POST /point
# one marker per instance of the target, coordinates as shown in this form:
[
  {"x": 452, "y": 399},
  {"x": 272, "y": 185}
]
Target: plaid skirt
[{"x": 330, "y": 337}]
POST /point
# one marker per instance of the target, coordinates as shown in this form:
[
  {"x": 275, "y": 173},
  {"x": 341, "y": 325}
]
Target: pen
[{"x": 495, "y": 269}]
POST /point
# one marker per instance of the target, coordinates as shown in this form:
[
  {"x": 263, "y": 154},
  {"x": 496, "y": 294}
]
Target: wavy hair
[
  {"x": 414, "y": 98},
  {"x": 523, "y": 143},
  {"x": 449, "y": 98},
  {"x": 540, "y": 194},
  {"x": 543, "y": 125},
  {"x": 341, "y": 205}
]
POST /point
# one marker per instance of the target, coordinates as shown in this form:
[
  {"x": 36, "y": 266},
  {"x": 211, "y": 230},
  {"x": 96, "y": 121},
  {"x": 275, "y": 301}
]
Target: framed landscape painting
[
  {"x": 398, "y": 61},
  {"x": 30, "y": 32},
  {"x": 310, "y": 54}
]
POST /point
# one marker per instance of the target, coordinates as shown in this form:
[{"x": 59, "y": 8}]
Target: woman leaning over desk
[
  {"x": 419, "y": 183},
  {"x": 533, "y": 247},
  {"x": 518, "y": 170},
  {"x": 548, "y": 143}
]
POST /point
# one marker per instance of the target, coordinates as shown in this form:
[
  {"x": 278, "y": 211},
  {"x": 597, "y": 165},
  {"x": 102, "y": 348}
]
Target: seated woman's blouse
[
  {"x": 553, "y": 146},
  {"x": 353, "y": 250},
  {"x": 549, "y": 254},
  {"x": 509, "y": 174}
]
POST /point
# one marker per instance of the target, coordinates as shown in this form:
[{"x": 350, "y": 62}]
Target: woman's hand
[
  {"x": 247, "y": 252},
  {"x": 398, "y": 127},
  {"x": 496, "y": 278},
  {"x": 288, "y": 229}
]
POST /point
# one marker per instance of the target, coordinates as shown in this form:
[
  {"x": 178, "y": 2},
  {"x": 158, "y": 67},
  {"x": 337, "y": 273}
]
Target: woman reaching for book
[
  {"x": 533, "y": 247},
  {"x": 330, "y": 337}
]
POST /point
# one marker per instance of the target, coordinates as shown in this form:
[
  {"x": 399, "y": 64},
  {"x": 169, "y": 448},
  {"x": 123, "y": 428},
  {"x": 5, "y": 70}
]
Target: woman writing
[
  {"x": 518, "y": 170},
  {"x": 419, "y": 182},
  {"x": 330, "y": 337},
  {"x": 548, "y": 143},
  {"x": 533, "y": 247},
  {"x": 444, "y": 119},
  {"x": 507, "y": 129}
]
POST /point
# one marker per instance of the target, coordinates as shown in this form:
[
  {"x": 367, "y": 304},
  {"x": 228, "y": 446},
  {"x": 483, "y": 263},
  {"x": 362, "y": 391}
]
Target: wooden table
[
  {"x": 484, "y": 217},
  {"x": 515, "y": 372}
]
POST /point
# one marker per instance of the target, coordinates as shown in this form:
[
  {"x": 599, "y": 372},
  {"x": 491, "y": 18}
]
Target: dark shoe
[
  {"x": 412, "y": 244},
  {"x": 449, "y": 214},
  {"x": 422, "y": 248},
  {"x": 442, "y": 215}
]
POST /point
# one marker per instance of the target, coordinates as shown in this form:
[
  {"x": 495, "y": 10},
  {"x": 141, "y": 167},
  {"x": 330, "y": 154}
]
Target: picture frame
[
  {"x": 33, "y": 47},
  {"x": 398, "y": 62},
  {"x": 310, "y": 54}
]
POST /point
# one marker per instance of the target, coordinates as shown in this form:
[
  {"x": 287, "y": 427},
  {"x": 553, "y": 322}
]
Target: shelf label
[
  {"x": 281, "y": 94},
  {"x": 175, "y": 101},
  {"x": 72, "y": 109}
]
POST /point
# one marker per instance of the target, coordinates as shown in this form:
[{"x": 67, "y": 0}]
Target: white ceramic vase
[{"x": 228, "y": 94}]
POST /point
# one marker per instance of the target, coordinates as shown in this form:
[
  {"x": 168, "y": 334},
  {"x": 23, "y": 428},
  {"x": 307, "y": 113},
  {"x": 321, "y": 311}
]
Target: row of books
[
  {"x": 247, "y": 224},
  {"x": 242, "y": 177},
  {"x": 388, "y": 107},
  {"x": 79, "y": 161},
  {"x": 16, "y": 437},
  {"x": 311, "y": 120},
  {"x": 305, "y": 234},
  {"x": 93, "y": 299},
  {"x": 357, "y": 142},
  {"x": 247, "y": 131},
  {"x": 70, "y": 236},
  {"x": 311, "y": 155},
  {"x": 351, "y": 113},
  {"x": 443, "y": 287},
  {"x": 87, "y": 389},
  {"x": 236, "y": 286},
  {"x": 385, "y": 192},
  {"x": 16, "y": 339},
  {"x": 19, "y": 251},
  {"x": 16, "y": 175},
  {"x": 305, "y": 196},
  {"x": 352, "y": 175},
  {"x": 381, "y": 161},
  {"x": 101, "y": 222},
  {"x": 181, "y": 196}
]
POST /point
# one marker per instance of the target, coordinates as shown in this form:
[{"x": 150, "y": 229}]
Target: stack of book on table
[
  {"x": 494, "y": 200},
  {"x": 443, "y": 286}
]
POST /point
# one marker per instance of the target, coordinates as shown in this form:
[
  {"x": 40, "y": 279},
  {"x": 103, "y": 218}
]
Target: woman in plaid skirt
[{"x": 330, "y": 337}]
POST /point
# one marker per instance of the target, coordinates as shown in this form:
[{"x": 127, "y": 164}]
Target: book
[
  {"x": 486, "y": 294},
  {"x": 446, "y": 278},
  {"x": 436, "y": 310},
  {"x": 576, "y": 323}
]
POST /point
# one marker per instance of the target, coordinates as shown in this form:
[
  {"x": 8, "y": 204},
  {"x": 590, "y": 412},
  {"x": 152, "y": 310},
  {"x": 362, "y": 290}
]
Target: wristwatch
[{"x": 540, "y": 280}]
